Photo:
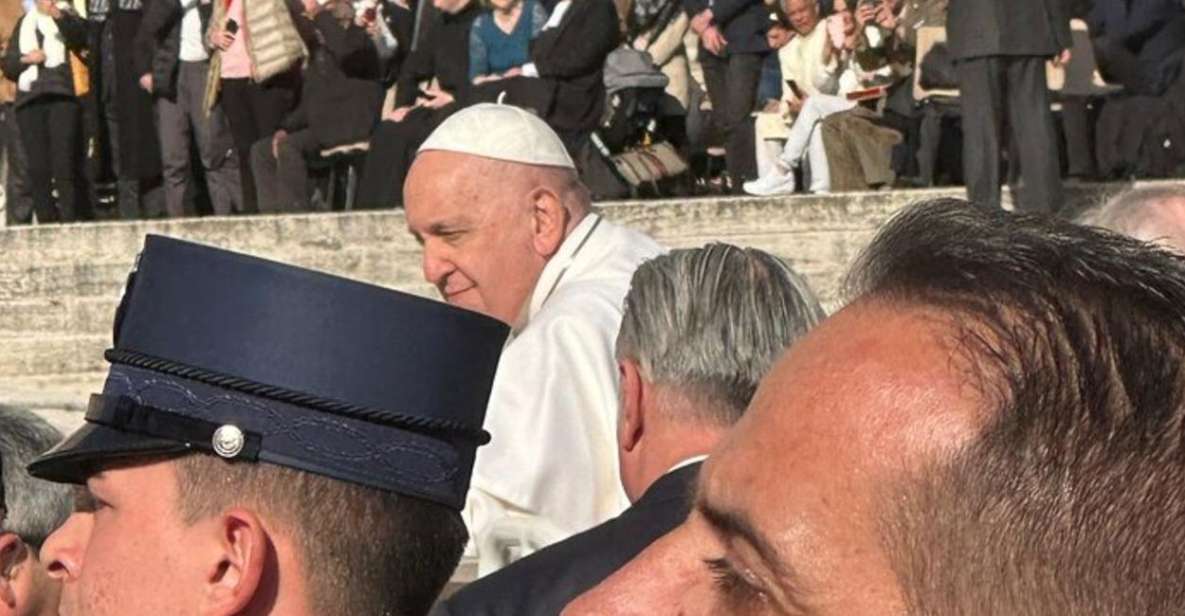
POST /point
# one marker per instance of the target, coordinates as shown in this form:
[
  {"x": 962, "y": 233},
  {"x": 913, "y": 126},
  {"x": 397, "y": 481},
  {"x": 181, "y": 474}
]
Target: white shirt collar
[
  {"x": 563, "y": 259},
  {"x": 686, "y": 463}
]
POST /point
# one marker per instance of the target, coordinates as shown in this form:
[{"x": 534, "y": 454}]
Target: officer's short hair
[
  {"x": 35, "y": 508},
  {"x": 711, "y": 321},
  {"x": 365, "y": 551}
]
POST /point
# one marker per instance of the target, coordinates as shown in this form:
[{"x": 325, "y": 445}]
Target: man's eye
[{"x": 736, "y": 590}]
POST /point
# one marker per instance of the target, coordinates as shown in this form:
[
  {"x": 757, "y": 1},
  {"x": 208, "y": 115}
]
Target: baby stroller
[{"x": 629, "y": 135}]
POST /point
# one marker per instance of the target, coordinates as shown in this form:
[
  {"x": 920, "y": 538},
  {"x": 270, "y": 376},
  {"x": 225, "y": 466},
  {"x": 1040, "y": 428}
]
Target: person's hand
[
  {"x": 514, "y": 72},
  {"x": 885, "y": 17},
  {"x": 795, "y": 105},
  {"x": 146, "y": 82},
  {"x": 397, "y": 114},
  {"x": 480, "y": 79},
  {"x": 778, "y": 36},
  {"x": 702, "y": 21},
  {"x": 1063, "y": 58},
  {"x": 277, "y": 139},
  {"x": 772, "y": 106},
  {"x": 221, "y": 39},
  {"x": 437, "y": 99},
  {"x": 36, "y": 56},
  {"x": 714, "y": 42},
  {"x": 865, "y": 14}
]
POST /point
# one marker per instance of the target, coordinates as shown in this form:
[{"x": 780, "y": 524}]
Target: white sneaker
[{"x": 774, "y": 183}]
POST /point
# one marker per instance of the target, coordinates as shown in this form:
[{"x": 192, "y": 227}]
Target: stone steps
[{"x": 59, "y": 285}]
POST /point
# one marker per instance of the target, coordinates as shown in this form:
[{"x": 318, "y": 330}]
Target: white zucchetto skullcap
[{"x": 500, "y": 132}]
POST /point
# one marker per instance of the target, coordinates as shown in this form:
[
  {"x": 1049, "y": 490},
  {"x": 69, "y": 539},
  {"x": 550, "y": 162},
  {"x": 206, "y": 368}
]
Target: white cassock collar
[{"x": 553, "y": 272}]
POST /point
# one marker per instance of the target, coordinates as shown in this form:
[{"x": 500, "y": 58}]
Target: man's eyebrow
[{"x": 729, "y": 522}]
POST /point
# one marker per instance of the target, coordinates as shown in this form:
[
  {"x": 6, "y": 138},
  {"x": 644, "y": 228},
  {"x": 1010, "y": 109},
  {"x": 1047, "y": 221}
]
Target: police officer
[{"x": 271, "y": 440}]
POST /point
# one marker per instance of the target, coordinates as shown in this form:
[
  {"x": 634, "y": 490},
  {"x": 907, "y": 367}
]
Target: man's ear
[
  {"x": 12, "y": 551},
  {"x": 549, "y": 219},
  {"x": 236, "y": 578},
  {"x": 633, "y": 390}
]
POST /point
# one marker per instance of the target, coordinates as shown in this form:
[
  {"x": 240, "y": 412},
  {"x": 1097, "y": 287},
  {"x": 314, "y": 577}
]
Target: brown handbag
[{"x": 647, "y": 164}]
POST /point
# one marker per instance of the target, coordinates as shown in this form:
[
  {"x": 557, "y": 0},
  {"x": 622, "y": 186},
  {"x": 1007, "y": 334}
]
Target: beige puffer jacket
[{"x": 273, "y": 43}]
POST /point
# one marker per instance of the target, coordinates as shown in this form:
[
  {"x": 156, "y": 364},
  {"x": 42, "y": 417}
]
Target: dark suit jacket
[
  {"x": 543, "y": 583},
  {"x": 158, "y": 43},
  {"x": 982, "y": 28},
  {"x": 570, "y": 58},
  {"x": 442, "y": 54},
  {"x": 743, "y": 22}
]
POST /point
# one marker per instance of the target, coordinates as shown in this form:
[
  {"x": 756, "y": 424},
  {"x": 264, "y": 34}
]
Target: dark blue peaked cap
[{"x": 258, "y": 361}]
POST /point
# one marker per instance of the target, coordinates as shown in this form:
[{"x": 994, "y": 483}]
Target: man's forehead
[{"x": 870, "y": 390}]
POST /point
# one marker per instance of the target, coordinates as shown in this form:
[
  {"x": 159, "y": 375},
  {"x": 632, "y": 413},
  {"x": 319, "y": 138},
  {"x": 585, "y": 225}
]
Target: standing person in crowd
[
  {"x": 500, "y": 41},
  {"x": 339, "y": 105},
  {"x": 732, "y": 49},
  {"x": 255, "y": 78},
  {"x": 683, "y": 387},
  {"x": 125, "y": 108},
  {"x": 507, "y": 229},
  {"x": 29, "y": 511},
  {"x": 311, "y": 463},
  {"x": 852, "y": 61},
  {"x": 992, "y": 426},
  {"x": 38, "y": 59},
  {"x": 174, "y": 66},
  {"x": 432, "y": 83},
  {"x": 18, "y": 202},
  {"x": 1000, "y": 49}
]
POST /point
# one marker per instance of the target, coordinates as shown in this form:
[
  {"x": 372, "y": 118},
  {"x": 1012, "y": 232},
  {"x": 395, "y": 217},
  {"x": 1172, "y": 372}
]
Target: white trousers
[{"x": 806, "y": 137}]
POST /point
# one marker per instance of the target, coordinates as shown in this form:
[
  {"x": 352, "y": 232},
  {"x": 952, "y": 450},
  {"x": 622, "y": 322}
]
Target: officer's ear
[
  {"x": 12, "y": 552},
  {"x": 236, "y": 579}
]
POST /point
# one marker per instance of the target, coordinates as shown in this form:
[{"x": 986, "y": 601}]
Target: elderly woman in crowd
[
  {"x": 47, "y": 110},
  {"x": 500, "y": 41}
]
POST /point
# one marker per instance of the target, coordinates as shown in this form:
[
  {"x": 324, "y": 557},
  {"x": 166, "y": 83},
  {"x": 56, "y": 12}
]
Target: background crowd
[{"x": 166, "y": 108}]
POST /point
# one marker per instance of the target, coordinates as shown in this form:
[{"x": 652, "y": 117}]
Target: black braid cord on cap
[{"x": 280, "y": 394}]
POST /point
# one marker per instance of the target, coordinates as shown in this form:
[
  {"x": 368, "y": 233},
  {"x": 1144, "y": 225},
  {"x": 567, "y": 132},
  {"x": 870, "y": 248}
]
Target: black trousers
[
  {"x": 732, "y": 87},
  {"x": 282, "y": 184},
  {"x": 18, "y": 200},
  {"x": 999, "y": 91},
  {"x": 49, "y": 129},
  {"x": 392, "y": 149},
  {"x": 254, "y": 111}
]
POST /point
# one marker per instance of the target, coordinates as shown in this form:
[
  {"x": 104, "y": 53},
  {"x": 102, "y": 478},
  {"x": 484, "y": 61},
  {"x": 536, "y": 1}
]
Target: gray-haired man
[
  {"x": 700, "y": 330},
  {"x": 32, "y": 510},
  {"x": 1153, "y": 214}
]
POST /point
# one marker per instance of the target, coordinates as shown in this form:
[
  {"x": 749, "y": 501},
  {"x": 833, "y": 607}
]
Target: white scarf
[{"x": 52, "y": 44}]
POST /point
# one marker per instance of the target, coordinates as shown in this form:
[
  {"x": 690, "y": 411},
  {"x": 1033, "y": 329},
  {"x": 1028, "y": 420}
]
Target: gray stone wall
[{"x": 59, "y": 285}]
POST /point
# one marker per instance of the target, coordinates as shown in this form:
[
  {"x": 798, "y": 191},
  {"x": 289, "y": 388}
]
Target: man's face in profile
[
  {"x": 127, "y": 551},
  {"x": 786, "y": 517}
]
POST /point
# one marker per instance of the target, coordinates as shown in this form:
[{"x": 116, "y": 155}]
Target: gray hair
[
  {"x": 35, "y": 507},
  {"x": 1141, "y": 213},
  {"x": 711, "y": 321}
]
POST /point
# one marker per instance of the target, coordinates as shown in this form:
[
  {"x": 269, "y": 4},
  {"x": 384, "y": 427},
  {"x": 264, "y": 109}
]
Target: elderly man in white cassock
[{"x": 508, "y": 230}]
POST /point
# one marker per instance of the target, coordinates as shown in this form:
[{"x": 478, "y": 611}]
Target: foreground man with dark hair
[
  {"x": 993, "y": 426},
  {"x": 271, "y": 441}
]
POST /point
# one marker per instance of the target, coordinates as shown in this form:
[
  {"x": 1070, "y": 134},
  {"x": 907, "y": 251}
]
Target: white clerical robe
[{"x": 553, "y": 409}]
